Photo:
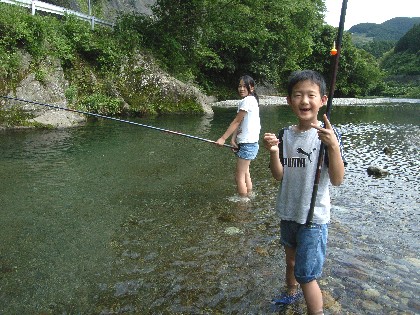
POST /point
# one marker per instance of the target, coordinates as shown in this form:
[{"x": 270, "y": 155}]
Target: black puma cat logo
[{"x": 300, "y": 150}]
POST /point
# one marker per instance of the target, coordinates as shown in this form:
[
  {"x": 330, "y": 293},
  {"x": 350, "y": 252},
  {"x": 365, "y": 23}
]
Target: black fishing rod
[
  {"x": 115, "y": 119},
  {"x": 336, "y": 55}
]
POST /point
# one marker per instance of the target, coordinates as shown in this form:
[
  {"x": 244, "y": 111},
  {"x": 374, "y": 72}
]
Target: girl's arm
[
  {"x": 271, "y": 144},
  {"x": 336, "y": 164},
  {"x": 232, "y": 127},
  {"x": 233, "y": 138}
]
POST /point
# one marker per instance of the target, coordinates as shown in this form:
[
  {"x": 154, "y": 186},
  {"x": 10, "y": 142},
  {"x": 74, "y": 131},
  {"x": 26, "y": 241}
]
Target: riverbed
[{"x": 110, "y": 218}]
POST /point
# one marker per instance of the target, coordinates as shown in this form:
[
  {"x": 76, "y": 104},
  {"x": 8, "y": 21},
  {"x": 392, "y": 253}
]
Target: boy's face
[{"x": 306, "y": 101}]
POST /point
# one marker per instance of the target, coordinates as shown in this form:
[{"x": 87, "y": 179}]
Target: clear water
[{"x": 111, "y": 218}]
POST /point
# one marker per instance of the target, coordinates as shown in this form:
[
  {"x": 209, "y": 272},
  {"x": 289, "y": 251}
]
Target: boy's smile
[{"x": 306, "y": 101}]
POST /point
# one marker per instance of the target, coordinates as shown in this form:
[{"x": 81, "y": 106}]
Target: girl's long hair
[{"x": 249, "y": 82}]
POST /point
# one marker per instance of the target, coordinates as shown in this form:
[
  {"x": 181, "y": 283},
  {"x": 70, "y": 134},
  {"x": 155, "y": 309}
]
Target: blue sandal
[{"x": 287, "y": 298}]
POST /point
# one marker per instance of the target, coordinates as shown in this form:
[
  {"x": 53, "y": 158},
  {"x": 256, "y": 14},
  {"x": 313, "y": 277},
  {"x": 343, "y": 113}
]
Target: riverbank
[
  {"x": 266, "y": 100},
  {"x": 115, "y": 219}
]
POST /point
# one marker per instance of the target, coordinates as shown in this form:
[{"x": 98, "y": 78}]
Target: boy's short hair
[{"x": 303, "y": 75}]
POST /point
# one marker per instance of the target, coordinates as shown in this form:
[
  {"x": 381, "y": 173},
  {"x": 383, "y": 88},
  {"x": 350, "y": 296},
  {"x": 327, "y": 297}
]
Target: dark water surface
[{"x": 112, "y": 218}]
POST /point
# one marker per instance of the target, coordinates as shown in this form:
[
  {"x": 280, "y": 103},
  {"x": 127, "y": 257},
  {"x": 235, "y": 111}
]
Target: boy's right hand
[{"x": 271, "y": 142}]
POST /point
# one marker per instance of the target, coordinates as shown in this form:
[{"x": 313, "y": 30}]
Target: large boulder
[{"x": 48, "y": 87}]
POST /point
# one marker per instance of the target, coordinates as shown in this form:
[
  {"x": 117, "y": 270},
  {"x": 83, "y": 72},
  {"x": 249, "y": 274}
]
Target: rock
[
  {"x": 50, "y": 91},
  {"x": 233, "y": 230},
  {"x": 376, "y": 171},
  {"x": 371, "y": 293},
  {"x": 387, "y": 150},
  {"x": 375, "y": 308},
  {"x": 261, "y": 251},
  {"x": 331, "y": 304},
  {"x": 58, "y": 119},
  {"x": 49, "y": 85},
  {"x": 414, "y": 261},
  {"x": 268, "y": 100},
  {"x": 111, "y": 9}
]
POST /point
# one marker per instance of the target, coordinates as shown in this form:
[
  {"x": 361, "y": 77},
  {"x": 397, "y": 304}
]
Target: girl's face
[{"x": 242, "y": 90}]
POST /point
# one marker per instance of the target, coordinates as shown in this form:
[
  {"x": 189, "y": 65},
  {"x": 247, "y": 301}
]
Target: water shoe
[{"x": 287, "y": 298}]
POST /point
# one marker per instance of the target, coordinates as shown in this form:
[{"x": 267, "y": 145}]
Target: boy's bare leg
[
  {"x": 313, "y": 297},
  {"x": 311, "y": 290},
  {"x": 291, "y": 282}
]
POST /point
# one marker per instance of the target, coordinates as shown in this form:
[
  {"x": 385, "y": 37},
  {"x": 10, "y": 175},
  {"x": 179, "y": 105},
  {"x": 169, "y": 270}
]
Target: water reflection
[{"x": 115, "y": 219}]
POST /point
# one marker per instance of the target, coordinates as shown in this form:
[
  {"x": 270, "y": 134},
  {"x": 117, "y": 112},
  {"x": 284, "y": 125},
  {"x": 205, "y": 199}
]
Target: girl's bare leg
[
  {"x": 248, "y": 181},
  {"x": 242, "y": 177}
]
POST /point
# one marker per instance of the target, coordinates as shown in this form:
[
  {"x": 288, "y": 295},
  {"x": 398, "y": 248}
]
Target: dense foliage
[
  {"x": 391, "y": 30},
  {"x": 214, "y": 42},
  {"x": 358, "y": 72},
  {"x": 69, "y": 39},
  {"x": 402, "y": 64},
  {"x": 92, "y": 62},
  {"x": 404, "y": 59},
  {"x": 380, "y": 40},
  {"x": 209, "y": 43},
  {"x": 410, "y": 42},
  {"x": 377, "y": 48}
]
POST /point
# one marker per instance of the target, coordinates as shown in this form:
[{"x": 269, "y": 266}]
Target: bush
[{"x": 100, "y": 104}]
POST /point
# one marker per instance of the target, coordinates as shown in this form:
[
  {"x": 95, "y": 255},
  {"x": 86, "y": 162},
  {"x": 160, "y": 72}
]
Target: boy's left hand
[{"x": 326, "y": 135}]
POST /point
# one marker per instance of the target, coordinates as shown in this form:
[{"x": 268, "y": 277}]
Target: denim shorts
[
  {"x": 247, "y": 151},
  {"x": 311, "y": 247}
]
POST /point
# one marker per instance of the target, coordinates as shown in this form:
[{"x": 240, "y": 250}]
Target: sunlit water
[{"x": 111, "y": 218}]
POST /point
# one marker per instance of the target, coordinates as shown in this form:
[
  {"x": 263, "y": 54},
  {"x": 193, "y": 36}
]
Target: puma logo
[{"x": 300, "y": 150}]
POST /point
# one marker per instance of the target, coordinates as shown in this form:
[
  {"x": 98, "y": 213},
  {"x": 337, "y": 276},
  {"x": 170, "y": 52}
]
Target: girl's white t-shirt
[{"x": 249, "y": 129}]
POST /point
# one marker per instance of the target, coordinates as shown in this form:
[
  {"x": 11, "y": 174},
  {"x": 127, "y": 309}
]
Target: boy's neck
[{"x": 305, "y": 125}]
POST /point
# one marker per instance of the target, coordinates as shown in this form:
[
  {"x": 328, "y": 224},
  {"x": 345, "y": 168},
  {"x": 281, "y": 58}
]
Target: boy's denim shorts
[
  {"x": 247, "y": 151},
  {"x": 311, "y": 247}
]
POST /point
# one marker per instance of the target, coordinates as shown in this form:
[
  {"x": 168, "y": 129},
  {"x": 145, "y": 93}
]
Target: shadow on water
[{"x": 115, "y": 219}]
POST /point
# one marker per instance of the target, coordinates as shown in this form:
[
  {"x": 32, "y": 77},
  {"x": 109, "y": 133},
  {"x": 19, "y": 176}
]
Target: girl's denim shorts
[
  {"x": 311, "y": 247},
  {"x": 247, "y": 151}
]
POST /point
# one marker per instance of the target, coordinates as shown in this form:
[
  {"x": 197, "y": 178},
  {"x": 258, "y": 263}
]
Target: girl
[{"x": 245, "y": 132}]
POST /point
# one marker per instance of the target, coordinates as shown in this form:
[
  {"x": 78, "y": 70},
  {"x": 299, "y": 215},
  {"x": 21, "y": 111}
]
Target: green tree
[
  {"x": 359, "y": 74},
  {"x": 171, "y": 34},
  {"x": 404, "y": 59},
  {"x": 358, "y": 71},
  {"x": 260, "y": 37},
  {"x": 216, "y": 41},
  {"x": 410, "y": 42},
  {"x": 378, "y": 47}
]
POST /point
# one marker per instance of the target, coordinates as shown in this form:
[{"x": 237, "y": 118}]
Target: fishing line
[
  {"x": 336, "y": 54},
  {"x": 115, "y": 119}
]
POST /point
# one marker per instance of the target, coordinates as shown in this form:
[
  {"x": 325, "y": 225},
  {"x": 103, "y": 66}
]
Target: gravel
[{"x": 266, "y": 100}]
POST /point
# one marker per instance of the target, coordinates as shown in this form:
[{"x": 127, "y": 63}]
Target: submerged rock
[
  {"x": 233, "y": 230},
  {"x": 377, "y": 171},
  {"x": 387, "y": 150}
]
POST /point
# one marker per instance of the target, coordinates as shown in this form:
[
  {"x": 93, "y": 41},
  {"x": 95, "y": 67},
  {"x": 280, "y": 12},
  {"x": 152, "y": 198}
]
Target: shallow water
[{"x": 112, "y": 218}]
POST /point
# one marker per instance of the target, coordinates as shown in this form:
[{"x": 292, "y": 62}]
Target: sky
[{"x": 370, "y": 11}]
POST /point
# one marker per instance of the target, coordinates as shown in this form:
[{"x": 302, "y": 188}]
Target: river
[{"x": 112, "y": 218}]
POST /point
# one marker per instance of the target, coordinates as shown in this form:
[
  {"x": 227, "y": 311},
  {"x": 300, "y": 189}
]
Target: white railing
[{"x": 35, "y": 5}]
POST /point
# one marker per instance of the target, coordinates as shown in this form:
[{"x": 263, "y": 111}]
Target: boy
[{"x": 305, "y": 246}]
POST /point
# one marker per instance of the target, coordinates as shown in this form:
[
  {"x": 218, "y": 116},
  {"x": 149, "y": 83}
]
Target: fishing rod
[
  {"x": 115, "y": 119},
  {"x": 336, "y": 55}
]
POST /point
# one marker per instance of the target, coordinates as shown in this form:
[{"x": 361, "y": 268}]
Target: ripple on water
[{"x": 151, "y": 220}]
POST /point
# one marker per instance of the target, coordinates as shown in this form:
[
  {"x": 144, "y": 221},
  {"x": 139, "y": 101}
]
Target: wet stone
[{"x": 372, "y": 306}]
